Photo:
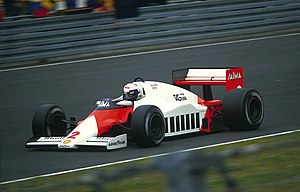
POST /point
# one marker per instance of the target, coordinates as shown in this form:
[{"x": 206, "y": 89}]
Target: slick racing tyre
[
  {"x": 243, "y": 109},
  {"x": 47, "y": 122},
  {"x": 148, "y": 126}
]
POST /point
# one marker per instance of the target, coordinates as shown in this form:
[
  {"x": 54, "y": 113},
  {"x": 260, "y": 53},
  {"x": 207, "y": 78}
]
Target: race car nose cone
[{"x": 85, "y": 130}]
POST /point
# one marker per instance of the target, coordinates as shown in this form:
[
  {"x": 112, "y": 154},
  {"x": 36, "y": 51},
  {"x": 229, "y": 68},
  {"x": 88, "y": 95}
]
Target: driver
[{"x": 133, "y": 92}]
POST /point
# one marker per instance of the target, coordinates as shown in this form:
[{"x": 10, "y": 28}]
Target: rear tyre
[
  {"x": 47, "y": 121},
  {"x": 243, "y": 109},
  {"x": 148, "y": 126}
]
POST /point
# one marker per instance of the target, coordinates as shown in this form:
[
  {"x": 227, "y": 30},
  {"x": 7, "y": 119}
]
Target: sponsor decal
[
  {"x": 154, "y": 86},
  {"x": 234, "y": 75},
  {"x": 64, "y": 146},
  {"x": 116, "y": 143},
  {"x": 180, "y": 97},
  {"x": 104, "y": 138},
  {"x": 103, "y": 104},
  {"x": 67, "y": 141},
  {"x": 52, "y": 138}
]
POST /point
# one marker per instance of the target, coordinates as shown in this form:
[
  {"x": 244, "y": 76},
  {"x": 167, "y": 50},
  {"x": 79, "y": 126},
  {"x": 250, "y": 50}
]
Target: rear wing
[{"x": 232, "y": 77}]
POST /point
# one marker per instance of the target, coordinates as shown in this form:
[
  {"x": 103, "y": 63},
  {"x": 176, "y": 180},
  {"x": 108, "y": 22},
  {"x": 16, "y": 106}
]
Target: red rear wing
[{"x": 232, "y": 77}]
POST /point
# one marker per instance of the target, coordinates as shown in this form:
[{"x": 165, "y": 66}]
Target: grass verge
[{"x": 273, "y": 168}]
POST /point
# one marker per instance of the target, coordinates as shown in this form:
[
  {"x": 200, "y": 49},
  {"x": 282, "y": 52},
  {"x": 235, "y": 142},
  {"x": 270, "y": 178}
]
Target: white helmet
[{"x": 133, "y": 92}]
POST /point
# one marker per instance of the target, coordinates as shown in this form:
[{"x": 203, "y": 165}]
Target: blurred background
[
  {"x": 45, "y": 8},
  {"x": 41, "y": 31}
]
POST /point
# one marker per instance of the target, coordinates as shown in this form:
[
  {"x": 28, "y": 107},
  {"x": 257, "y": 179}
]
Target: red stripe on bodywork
[
  {"x": 213, "y": 107},
  {"x": 107, "y": 118}
]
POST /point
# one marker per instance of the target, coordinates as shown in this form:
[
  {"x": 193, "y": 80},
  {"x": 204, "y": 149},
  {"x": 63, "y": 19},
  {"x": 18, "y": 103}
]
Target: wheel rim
[
  {"x": 255, "y": 109},
  {"x": 156, "y": 126}
]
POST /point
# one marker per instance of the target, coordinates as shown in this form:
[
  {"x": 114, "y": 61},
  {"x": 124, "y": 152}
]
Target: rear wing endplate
[{"x": 232, "y": 77}]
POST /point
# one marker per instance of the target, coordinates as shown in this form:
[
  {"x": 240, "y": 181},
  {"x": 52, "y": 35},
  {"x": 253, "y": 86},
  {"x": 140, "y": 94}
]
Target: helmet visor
[{"x": 131, "y": 95}]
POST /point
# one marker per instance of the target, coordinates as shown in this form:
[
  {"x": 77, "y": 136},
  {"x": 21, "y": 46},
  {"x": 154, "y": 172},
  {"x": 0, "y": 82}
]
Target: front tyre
[
  {"x": 148, "y": 126},
  {"x": 47, "y": 121},
  {"x": 243, "y": 109}
]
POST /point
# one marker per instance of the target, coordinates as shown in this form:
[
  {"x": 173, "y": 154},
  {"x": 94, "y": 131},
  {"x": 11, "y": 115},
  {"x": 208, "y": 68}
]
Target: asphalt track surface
[{"x": 271, "y": 66}]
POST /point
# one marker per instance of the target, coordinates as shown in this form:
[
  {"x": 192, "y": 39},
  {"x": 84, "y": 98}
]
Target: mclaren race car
[{"x": 149, "y": 111}]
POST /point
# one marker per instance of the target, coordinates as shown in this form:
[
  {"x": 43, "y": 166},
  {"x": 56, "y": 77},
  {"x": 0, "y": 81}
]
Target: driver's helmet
[{"x": 133, "y": 92}]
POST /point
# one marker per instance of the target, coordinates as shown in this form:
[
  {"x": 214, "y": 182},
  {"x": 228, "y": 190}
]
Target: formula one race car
[{"x": 149, "y": 111}]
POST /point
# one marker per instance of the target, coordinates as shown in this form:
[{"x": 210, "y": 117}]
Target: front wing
[{"x": 109, "y": 143}]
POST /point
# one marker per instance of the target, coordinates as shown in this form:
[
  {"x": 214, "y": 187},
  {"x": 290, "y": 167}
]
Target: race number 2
[{"x": 73, "y": 135}]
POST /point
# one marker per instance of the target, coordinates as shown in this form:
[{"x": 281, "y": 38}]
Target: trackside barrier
[
  {"x": 185, "y": 171},
  {"x": 46, "y": 38}
]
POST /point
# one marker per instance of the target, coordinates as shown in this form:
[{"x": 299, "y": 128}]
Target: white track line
[
  {"x": 152, "y": 156},
  {"x": 149, "y": 52}
]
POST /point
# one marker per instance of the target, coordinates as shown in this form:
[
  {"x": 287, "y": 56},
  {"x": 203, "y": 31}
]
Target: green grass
[{"x": 274, "y": 168}]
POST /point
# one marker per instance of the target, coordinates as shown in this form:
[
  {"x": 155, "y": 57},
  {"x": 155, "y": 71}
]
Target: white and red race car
[{"x": 149, "y": 111}]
